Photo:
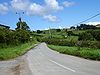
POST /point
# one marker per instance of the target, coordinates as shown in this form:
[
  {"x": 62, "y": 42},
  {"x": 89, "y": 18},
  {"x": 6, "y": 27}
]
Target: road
[{"x": 44, "y": 61}]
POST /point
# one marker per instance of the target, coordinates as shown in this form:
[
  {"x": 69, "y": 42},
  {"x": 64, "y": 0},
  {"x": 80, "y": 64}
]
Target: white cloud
[
  {"x": 36, "y": 9},
  {"x": 20, "y": 5},
  {"x": 67, "y": 3},
  {"x": 51, "y": 18},
  {"x": 46, "y": 29},
  {"x": 60, "y": 27},
  {"x": 49, "y": 7},
  {"x": 93, "y": 23},
  {"x": 53, "y": 5},
  {"x": 3, "y": 8},
  {"x": 44, "y": 10}
]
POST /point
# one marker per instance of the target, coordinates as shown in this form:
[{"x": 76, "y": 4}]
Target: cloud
[
  {"x": 36, "y": 9},
  {"x": 60, "y": 27},
  {"x": 49, "y": 7},
  {"x": 31, "y": 8},
  {"x": 53, "y": 5},
  {"x": 93, "y": 23},
  {"x": 20, "y": 5},
  {"x": 68, "y": 4},
  {"x": 51, "y": 18},
  {"x": 3, "y": 8}
]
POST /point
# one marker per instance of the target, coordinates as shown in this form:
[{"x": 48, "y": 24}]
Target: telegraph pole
[{"x": 20, "y": 18}]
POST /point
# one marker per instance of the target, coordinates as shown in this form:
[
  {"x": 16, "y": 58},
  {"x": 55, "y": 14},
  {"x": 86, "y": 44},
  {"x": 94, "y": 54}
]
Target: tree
[
  {"x": 72, "y": 27},
  {"x": 22, "y": 25},
  {"x": 39, "y": 31},
  {"x": 58, "y": 30},
  {"x": 85, "y": 26}
]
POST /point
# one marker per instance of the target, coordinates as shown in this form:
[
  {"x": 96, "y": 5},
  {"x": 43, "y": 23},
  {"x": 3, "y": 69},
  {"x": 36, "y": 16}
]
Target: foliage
[
  {"x": 72, "y": 27},
  {"x": 96, "y": 34},
  {"x": 85, "y": 27},
  {"x": 90, "y": 35},
  {"x": 39, "y": 31},
  {"x": 60, "y": 42},
  {"x": 12, "y": 37},
  {"x": 22, "y": 25},
  {"x": 22, "y": 36},
  {"x": 58, "y": 30},
  {"x": 11, "y": 52},
  {"x": 85, "y": 36},
  {"x": 70, "y": 33},
  {"x": 90, "y": 44}
]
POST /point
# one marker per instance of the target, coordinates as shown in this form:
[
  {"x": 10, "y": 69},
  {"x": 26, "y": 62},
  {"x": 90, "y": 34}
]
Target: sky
[{"x": 44, "y": 14}]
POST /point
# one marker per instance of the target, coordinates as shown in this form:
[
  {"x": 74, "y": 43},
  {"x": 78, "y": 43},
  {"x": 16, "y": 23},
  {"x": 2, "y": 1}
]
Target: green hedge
[{"x": 61, "y": 42}]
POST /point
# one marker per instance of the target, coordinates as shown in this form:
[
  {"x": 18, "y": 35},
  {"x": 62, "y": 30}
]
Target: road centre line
[{"x": 63, "y": 66}]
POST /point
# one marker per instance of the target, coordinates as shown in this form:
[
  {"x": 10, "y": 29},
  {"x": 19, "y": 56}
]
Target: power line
[{"x": 88, "y": 19}]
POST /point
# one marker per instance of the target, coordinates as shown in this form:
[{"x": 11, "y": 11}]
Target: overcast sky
[{"x": 42, "y": 14}]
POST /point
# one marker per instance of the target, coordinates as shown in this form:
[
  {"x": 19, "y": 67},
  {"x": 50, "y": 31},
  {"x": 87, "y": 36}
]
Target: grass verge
[
  {"x": 15, "y": 51},
  {"x": 86, "y": 53}
]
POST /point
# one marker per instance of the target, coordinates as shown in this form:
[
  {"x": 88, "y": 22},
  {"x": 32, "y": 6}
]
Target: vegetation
[
  {"x": 11, "y": 52},
  {"x": 87, "y": 53},
  {"x": 22, "y": 25},
  {"x": 83, "y": 40},
  {"x": 14, "y": 43}
]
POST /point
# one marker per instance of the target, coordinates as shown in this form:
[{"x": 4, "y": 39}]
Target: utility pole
[{"x": 20, "y": 18}]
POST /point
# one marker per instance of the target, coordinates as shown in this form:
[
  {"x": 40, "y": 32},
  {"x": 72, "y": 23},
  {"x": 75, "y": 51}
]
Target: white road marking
[{"x": 63, "y": 66}]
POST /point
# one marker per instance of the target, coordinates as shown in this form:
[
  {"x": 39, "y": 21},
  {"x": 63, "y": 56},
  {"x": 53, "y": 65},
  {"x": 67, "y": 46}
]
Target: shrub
[
  {"x": 85, "y": 36},
  {"x": 22, "y": 36},
  {"x": 61, "y": 42},
  {"x": 90, "y": 44},
  {"x": 11, "y": 37}
]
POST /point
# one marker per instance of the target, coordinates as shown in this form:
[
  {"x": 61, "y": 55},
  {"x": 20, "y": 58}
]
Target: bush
[
  {"x": 22, "y": 36},
  {"x": 60, "y": 42},
  {"x": 90, "y": 44},
  {"x": 11, "y": 37},
  {"x": 85, "y": 36},
  {"x": 96, "y": 34},
  {"x": 90, "y": 35}
]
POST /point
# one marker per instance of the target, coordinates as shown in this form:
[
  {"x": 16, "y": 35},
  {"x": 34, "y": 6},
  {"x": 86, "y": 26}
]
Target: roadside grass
[
  {"x": 15, "y": 51},
  {"x": 87, "y": 53}
]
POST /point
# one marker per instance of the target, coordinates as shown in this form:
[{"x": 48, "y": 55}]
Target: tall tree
[{"x": 22, "y": 25}]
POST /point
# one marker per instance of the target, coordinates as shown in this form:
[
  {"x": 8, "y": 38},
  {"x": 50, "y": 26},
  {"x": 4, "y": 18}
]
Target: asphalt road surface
[{"x": 44, "y": 61}]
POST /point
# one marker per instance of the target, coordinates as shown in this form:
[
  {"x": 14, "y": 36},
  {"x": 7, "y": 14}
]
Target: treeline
[{"x": 85, "y": 27}]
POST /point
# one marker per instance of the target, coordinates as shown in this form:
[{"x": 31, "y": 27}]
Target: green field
[{"x": 87, "y": 53}]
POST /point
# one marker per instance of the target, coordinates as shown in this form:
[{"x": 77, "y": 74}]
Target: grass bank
[
  {"x": 87, "y": 53},
  {"x": 11, "y": 52}
]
